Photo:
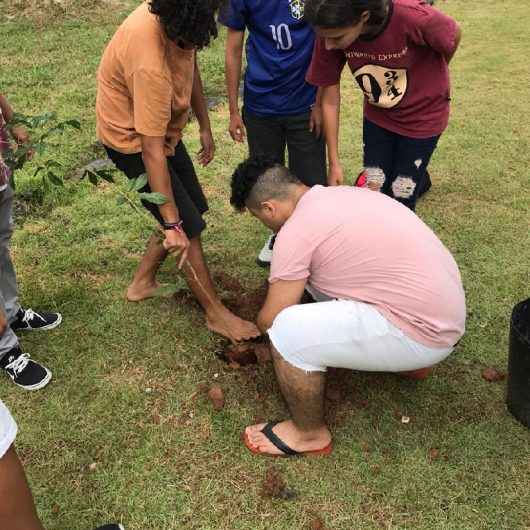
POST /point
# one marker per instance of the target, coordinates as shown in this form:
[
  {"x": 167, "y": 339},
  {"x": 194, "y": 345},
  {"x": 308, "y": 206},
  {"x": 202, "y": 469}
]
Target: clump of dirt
[
  {"x": 275, "y": 487},
  {"x": 216, "y": 396},
  {"x": 492, "y": 375},
  {"x": 433, "y": 455}
]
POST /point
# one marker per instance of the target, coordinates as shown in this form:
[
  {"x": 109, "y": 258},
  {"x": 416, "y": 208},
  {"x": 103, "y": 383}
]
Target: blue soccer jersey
[{"x": 279, "y": 49}]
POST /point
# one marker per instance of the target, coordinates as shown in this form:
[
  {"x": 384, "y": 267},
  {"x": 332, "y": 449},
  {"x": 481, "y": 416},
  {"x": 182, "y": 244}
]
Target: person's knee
[
  {"x": 285, "y": 319},
  {"x": 404, "y": 187}
]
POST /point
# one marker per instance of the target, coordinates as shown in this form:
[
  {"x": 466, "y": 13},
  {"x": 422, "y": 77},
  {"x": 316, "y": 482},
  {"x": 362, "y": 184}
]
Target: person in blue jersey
[{"x": 281, "y": 111}]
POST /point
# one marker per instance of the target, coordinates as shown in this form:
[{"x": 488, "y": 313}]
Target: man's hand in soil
[
  {"x": 207, "y": 153},
  {"x": 177, "y": 243}
]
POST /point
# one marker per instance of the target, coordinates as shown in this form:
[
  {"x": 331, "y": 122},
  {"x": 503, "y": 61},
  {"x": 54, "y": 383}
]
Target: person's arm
[
  {"x": 458, "y": 38},
  {"x": 200, "y": 108},
  {"x": 233, "y": 64},
  {"x": 281, "y": 294},
  {"x": 330, "y": 116},
  {"x": 155, "y": 162}
]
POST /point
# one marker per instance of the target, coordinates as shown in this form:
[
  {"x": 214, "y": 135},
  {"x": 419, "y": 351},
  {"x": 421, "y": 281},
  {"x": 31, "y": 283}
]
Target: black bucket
[{"x": 518, "y": 398}]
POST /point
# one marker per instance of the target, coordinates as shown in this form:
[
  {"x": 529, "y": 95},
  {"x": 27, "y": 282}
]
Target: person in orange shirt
[{"x": 147, "y": 80}]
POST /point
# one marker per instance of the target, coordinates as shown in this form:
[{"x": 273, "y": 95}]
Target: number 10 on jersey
[{"x": 282, "y": 36}]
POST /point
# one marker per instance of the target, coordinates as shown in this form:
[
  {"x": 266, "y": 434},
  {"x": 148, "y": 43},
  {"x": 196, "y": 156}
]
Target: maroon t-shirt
[{"x": 403, "y": 71}]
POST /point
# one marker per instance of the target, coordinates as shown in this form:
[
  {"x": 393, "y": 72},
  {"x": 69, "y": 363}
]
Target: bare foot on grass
[
  {"x": 137, "y": 292},
  {"x": 289, "y": 434},
  {"x": 232, "y": 327}
]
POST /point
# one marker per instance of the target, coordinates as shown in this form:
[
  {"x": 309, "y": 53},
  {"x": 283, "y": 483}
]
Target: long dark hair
[
  {"x": 192, "y": 21},
  {"x": 342, "y": 13}
]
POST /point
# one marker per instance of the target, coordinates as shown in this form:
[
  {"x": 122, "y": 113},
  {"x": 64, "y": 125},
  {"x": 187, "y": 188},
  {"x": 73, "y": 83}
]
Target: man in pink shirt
[{"x": 389, "y": 294}]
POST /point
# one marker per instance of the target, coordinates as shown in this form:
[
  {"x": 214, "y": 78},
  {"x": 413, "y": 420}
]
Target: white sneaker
[{"x": 265, "y": 256}]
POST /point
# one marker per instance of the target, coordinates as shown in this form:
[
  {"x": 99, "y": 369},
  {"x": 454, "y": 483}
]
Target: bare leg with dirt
[
  {"x": 144, "y": 284},
  {"x": 304, "y": 393},
  {"x": 17, "y": 509},
  {"x": 218, "y": 318}
]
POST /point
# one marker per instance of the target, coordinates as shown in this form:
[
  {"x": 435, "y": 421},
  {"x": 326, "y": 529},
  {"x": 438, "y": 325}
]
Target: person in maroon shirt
[{"x": 398, "y": 52}]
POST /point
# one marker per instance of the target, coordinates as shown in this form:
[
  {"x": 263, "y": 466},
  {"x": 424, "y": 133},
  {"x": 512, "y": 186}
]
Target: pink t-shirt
[
  {"x": 357, "y": 244},
  {"x": 403, "y": 71}
]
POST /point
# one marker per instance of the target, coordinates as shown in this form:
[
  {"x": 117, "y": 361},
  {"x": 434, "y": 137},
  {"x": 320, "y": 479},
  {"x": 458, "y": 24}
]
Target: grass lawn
[{"x": 121, "y": 434}]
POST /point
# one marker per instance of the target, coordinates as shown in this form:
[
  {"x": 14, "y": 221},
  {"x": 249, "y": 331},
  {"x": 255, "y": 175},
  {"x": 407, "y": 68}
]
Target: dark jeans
[
  {"x": 270, "y": 135},
  {"x": 187, "y": 192},
  {"x": 397, "y": 164}
]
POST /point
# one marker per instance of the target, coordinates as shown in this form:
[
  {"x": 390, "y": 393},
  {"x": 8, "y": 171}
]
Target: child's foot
[
  {"x": 138, "y": 292},
  {"x": 29, "y": 320},
  {"x": 24, "y": 371}
]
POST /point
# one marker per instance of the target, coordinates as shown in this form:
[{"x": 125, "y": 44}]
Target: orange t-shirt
[{"x": 144, "y": 85}]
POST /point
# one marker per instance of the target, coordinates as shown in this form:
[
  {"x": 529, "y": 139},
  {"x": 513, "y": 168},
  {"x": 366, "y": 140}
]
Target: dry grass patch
[{"x": 46, "y": 11}]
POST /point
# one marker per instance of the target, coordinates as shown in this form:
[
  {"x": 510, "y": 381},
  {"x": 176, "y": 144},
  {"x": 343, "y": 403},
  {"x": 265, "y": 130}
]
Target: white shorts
[
  {"x": 8, "y": 429},
  {"x": 347, "y": 334}
]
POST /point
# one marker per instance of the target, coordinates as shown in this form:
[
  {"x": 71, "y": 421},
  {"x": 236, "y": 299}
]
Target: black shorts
[
  {"x": 187, "y": 192},
  {"x": 271, "y": 135}
]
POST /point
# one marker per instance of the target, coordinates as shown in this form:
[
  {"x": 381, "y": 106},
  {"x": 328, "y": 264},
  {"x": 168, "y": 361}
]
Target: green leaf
[
  {"x": 130, "y": 185},
  {"x": 120, "y": 200},
  {"x": 92, "y": 177},
  {"x": 74, "y": 124},
  {"x": 53, "y": 164},
  {"x": 154, "y": 198},
  {"x": 140, "y": 182},
  {"x": 54, "y": 179},
  {"x": 39, "y": 121}
]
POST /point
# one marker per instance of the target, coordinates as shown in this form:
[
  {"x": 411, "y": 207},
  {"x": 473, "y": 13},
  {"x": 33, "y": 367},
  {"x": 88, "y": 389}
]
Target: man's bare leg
[
  {"x": 218, "y": 317},
  {"x": 17, "y": 510},
  {"x": 304, "y": 393},
  {"x": 144, "y": 283}
]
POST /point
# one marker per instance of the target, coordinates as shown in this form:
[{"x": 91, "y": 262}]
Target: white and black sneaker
[
  {"x": 110, "y": 527},
  {"x": 29, "y": 320},
  {"x": 24, "y": 371},
  {"x": 265, "y": 256}
]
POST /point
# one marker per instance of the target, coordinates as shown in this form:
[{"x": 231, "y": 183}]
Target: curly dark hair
[
  {"x": 257, "y": 179},
  {"x": 192, "y": 21}
]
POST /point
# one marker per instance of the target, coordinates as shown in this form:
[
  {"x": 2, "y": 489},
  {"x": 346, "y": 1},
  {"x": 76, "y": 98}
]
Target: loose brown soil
[
  {"x": 317, "y": 524},
  {"x": 275, "y": 487},
  {"x": 244, "y": 354}
]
